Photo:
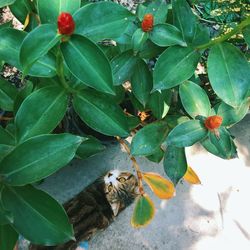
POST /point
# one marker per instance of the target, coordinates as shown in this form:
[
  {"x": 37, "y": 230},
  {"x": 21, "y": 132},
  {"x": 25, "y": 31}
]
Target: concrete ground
[{"x": 214, "y": 215}]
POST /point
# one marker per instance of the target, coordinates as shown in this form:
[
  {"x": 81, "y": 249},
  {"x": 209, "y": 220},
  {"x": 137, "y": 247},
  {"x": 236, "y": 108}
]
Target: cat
[{"x": 95, "y": 207}]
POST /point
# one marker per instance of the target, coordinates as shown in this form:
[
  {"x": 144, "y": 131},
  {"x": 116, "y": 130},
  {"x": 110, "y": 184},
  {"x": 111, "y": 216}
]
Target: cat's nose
[{"x": 109, "y": 174}]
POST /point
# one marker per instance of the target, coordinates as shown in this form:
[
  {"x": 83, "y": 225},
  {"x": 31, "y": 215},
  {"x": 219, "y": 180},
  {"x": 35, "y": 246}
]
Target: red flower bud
[
  {"x": 213, "y": 122},
  {"x": 65, "y": 23},
  {"x": 147, "y": 23}
]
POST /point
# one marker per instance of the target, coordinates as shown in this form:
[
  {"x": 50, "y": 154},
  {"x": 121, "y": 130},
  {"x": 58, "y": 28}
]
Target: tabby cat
[{"x": 95, "y": 207}]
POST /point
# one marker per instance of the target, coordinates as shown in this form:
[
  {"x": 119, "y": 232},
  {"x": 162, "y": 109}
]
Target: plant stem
[
  {"x": 135, "y": 164},
  {"x": 225, "y": 37},
  {"x": 60, "y": 70}
]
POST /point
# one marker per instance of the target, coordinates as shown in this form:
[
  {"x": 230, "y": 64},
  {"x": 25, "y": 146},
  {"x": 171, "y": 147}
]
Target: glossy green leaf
[
  {"x": 174, "y": 120},
  {"x": 194, "y": 99},
  {"x": 38, "y": 217},
  {"x": 138, "y": 39},
  {"x": 103, "y": 20},
  {"x": 228, "y": 71},
  {"x": 5, "y": 25},
  {"x": 232, "y": 115},
  {"x": 38, "y": 43},
  {"x": 4, "y": 150},
  {"x": 150, "y": 50},
  {"x": 8, "y": 94},
  {"x": 175, "y": 163},
  {"x": 88, "y": 63},
  {"x": 20, "y": 9},
  {"x": 158, "y": 8},
  {"x": 22, "y": 94},
  {"x": 6, "y": 137},
  {"x": 202, "y": 35},
  {"x": 100, "y": 113},
  {"x": 157, "y": 156},
  {"x": 143, "y": 212},
  {"x": 186, "y": 134},
  {"x": 166, "y": 35},
  {"x": 4, "y": 3},
  {"x": 90, "y": 147},
  {"x": 142, "y": 82},
  {"x": 149, "y": 138},
  {"x": 181, "y": 64},
  {"x": 10, "y": 43},
  {"x": 38, "y": 157},
  {"x": 246, "y": 34},
  {"x": 42, "y": 118},
  {"x": 8, "y": 237},
  {"x": 222, "y": 147},
  {"x": 49, "y": 13},
  {"x": 123, "y": 67},
  {"x": 6, "y": 217},
  {"x": 159, "y": 103},
  {"x": 184, "y": 19}
]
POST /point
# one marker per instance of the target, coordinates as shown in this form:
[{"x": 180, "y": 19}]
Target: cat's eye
[
  {"x": 122, "y": 179},
  {"x": 110, "y": 187}
]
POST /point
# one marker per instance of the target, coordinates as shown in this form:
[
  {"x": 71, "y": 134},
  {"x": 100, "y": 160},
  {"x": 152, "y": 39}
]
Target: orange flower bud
[
  {"x": 213, "y": 122},
  {"x": 65, "y": 23},
  {"x": 147, "y": 23}
]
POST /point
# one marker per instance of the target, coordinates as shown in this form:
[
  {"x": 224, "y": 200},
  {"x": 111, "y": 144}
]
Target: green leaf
[
  {"x": 38, "y": 43},
  {"x": 5, "y": 25},
  {"x": 174, "y": 120},
  {"x": 246, "y": 34},
  {"x": 6, "y": 137},
  {"x": 100, "y": 113},
  {"x": 138, "y": 39},
  {"x": 8, "y": 94},
  {"x": 186, "y": 134},
  {"x": 4, "y": 3},
  {"x": 228, "y": 71},
  {"x": 38, "y": 157},
  {"x": 232, "y": 115},
  {"x": 159, "y": 103},
  {"x": 123, "y": 67},
  {"x": 142, "y": 82},
  {"x": 103, "y": 20},
  {"x": 150, "y": 50},
  {"x": 149, "y": 138},
  {"x": 184, "y": 19},
  {"x": 6, "y": 217},
  {"x": 143, "y": 212},
  {"x": 88, "y": 63},
  {"x": 10, "y": 43},
  {"x": 5, "y": 149},
  {"x": 22, "y": 94},
  {"x": 38, "y": 217},
  {"x": 181, "y": 63},
  {"x": 89, "y": 148},
  {"x": 8, "y": 237},
  {"x": 49, "y": 13},
  {"x": 175, "y": 163},
  {"x": 42, "y": 118},
  {"x": 158, "y": 8},
  {"x": 157, "y": 156},
  {"x": 166, "y": 35},
  {"x": 222, "y": 147},
  {"x": 20, "y": 9},
  {"x": 202, "y": 35},
  {"x": 194, "y": 99}
]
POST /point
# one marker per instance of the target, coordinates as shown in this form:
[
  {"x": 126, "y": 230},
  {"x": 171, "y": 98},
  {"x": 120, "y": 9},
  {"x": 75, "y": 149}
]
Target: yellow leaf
[
  {"x": 26, "y": 22},
  {"x": 191, "y": 177},
  {"x": 144, "y": 211},
  {"x": 161, "y": 187}
]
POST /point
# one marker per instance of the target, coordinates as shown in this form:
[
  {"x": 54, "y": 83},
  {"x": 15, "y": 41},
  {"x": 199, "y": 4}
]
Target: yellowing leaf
[
  {"x": 144, "y": 211},
  {"x": 26, "y": 22},
  {"x": 161, "y": 187},
  {"x": 191, "y": 177}
]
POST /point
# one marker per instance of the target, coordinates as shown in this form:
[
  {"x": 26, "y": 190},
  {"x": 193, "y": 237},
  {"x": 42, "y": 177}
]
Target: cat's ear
[{"x": 115, "y": 207}]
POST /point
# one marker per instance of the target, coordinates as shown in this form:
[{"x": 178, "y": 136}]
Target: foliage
[{"x": 108, "y": 58}]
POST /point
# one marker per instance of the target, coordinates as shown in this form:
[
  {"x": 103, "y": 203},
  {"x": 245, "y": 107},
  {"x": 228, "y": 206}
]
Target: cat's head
[{"x": 120, "y": 188}]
